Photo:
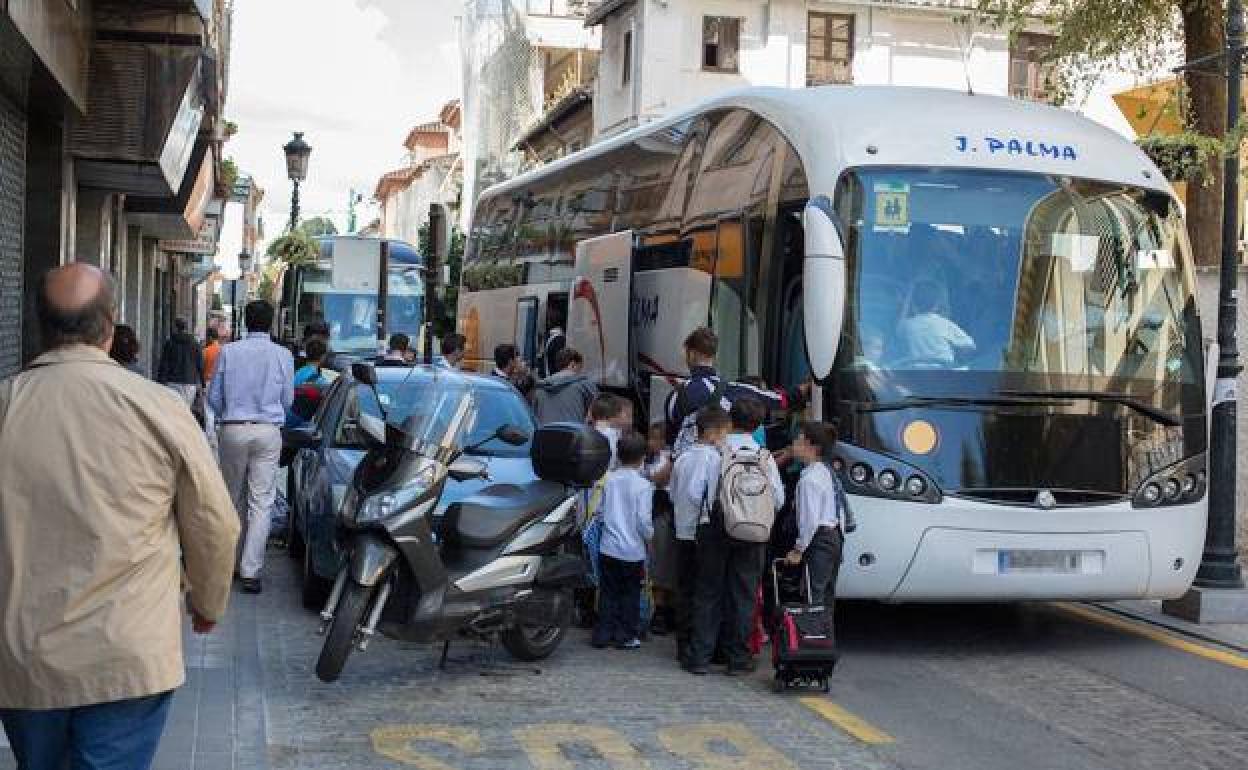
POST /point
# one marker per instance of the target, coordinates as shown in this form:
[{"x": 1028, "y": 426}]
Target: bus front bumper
[{"x": 962, "y": 550}]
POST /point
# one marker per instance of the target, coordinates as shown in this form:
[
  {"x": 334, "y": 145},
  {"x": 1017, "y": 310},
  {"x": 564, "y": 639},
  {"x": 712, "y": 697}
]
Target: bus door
[
  {"x": 599, "y": 313},
  {"x": 729, "y": 309},
  {"x": 526, "y": 329}
]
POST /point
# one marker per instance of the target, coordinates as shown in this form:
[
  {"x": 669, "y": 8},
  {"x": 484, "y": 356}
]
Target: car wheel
[{"x": 315, "y": 589}]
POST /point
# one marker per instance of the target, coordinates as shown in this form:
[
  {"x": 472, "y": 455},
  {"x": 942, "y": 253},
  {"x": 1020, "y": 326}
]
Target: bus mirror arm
[{"x": 823, "y": 284}]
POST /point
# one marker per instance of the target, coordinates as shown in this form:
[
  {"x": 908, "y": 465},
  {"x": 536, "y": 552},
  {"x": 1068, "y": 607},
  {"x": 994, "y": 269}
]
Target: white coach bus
[{"x": 995, "y": 298}]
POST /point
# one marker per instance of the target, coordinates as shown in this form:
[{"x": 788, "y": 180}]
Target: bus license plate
[{"x": 1059, "y": 562}]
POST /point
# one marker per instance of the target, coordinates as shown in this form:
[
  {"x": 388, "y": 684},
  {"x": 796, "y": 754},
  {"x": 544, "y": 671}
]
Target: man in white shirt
[
  {"x": 693, "y": 487},
  {"x": 729, "y": 570},
  {"x": 626, "y": 526},
  {"x": 819, "y": 537},
  {"x": 927, "y": 336}
]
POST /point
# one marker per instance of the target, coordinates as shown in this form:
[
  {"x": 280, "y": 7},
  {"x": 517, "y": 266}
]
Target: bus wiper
[
  {"x": 1148, "y": 410},
  {"x": 916, "y": 402}
]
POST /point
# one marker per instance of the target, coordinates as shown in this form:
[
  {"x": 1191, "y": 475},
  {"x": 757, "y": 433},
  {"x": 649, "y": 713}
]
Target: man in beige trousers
[{"x": 111, "y": 508}]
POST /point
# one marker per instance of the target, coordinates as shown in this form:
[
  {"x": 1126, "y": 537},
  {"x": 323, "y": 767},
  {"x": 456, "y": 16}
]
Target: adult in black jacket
[
  {"x": 181, "y": 364},
  {"x": 705, "y": 385}
]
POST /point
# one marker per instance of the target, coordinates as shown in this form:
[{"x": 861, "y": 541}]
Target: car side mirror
[
  {"x": 301, "y": 438},
  {"x": 365, "y": 373},
  {"x": 468, "y": 468},
  {"x": 510, "y": 434}
]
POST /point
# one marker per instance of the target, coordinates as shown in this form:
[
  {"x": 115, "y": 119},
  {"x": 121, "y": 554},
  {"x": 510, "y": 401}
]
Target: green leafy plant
[
  {"x": 295, "y": 248},
  {"x": 1186, "y": 156}
]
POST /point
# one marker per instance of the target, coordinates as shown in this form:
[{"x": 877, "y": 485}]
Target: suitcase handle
[{"x": 775, "y": 579}]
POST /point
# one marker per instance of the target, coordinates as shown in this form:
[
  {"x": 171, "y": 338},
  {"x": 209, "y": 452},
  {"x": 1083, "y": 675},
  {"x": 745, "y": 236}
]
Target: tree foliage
[
  {"x": 297, "y": 248},
  {"x": 318, "y": 226},
  {"x": 1145, "y": 37},
  {"x": 1096, "y": 37}
]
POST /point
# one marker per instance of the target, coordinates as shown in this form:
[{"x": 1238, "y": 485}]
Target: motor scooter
[{"x": 502, "y": 563}]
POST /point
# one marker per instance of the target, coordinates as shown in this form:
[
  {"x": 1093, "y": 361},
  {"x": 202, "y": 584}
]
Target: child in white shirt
[
  {"x": 626, "y": 526},
  {"x": 819, "y": 539},
  {"x": 693, "y": 486}
]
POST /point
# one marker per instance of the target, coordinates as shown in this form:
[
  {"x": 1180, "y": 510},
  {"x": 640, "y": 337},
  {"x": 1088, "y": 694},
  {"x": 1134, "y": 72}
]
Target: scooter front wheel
[
  {"x": 341, "y": 637},
  {"x": 529, "y": 643}
]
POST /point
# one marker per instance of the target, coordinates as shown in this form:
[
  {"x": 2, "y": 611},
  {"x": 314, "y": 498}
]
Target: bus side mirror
[{"x": 823, "y": 285}]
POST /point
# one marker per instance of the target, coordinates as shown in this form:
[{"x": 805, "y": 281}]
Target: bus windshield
[
  {"x": 352, "y": 316},
  {"x": 1017, "y": 280}
]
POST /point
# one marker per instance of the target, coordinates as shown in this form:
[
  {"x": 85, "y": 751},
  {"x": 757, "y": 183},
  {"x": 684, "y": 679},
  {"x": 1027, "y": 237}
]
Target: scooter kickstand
[{"x": 446, "y": 648}]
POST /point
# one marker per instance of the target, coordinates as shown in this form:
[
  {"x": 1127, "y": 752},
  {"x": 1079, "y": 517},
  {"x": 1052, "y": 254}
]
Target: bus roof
[
  {"x": 400, "y": 251},
  {"x": 838, "y": 127}
]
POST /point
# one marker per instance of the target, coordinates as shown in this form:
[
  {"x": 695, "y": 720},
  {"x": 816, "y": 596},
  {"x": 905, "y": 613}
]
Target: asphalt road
[{"x": 1023, "y": 687}]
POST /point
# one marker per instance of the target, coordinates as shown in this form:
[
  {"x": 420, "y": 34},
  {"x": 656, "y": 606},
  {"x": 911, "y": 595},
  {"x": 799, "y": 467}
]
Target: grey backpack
[{"x": 745, "y": 499}]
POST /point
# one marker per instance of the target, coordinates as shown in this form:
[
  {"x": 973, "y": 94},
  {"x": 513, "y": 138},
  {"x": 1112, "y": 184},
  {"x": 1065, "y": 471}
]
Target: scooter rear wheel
[
  {"x": 341, "y": 637},
  {"x": 529, "y": 643}
]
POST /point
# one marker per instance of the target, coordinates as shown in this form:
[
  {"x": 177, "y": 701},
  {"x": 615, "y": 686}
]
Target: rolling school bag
[{"x": 803, "y": 642}]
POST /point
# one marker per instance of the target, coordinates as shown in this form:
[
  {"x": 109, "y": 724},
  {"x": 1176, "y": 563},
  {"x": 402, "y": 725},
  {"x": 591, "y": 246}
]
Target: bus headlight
[
  {"x": 1180, "y": 484},
  {"x": 889, "y": 480},
  {"x": 1152, "y": 492},
  {"x": 915, "y": 485},
  {"x": 867, "y": 473},
  {"x": 1172, "y": 489}
]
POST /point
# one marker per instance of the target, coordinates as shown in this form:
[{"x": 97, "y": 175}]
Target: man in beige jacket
[{"x": 110, "y": 505}]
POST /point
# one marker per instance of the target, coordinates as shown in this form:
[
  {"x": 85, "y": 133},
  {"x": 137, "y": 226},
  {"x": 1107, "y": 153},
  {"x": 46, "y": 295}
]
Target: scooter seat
[{"x": 495, "y": 514}]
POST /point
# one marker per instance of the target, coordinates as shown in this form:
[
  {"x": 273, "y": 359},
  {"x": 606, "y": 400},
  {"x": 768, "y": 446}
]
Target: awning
[
  {"x": 1151, "y": 109},
  {"x": 180, "y": 217},
  {"x": 145, "y": 108}
]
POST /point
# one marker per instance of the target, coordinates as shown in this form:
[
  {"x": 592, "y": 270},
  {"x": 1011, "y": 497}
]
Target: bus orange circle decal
[{"x": 919, "y": 437}]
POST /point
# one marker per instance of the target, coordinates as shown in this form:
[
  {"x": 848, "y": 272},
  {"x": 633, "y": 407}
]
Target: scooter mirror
[
  {"x": 365, "y": 373},
  {"x": 374, "y": 428},
  {"x": 467, "y": 468},
  {"x": 510, "y": 434}
]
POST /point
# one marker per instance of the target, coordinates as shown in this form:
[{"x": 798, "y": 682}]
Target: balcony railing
[{"x": 569, "y": 9}]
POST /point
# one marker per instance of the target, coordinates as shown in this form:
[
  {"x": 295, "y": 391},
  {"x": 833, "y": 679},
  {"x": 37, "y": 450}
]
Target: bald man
[{"x": 110, "y": 506}]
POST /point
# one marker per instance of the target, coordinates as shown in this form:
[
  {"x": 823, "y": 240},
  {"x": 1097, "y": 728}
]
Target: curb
[{"x": 1177, "y": 626}]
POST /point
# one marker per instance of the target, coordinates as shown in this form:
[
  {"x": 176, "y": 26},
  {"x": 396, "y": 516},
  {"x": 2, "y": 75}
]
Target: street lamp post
[
  {"x": 297, "y": 152},
  {"x": 1218, "y": 567},
  {"x": 1217, "y": 594},
  {"x": 244, "y": 266}
]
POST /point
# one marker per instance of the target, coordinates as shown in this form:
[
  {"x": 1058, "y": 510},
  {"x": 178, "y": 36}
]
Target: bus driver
[{"x": 927, "y": 336}]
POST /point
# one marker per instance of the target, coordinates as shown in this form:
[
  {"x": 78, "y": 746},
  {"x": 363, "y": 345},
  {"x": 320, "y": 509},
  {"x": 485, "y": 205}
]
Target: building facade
[
  {"x": 432, "y": 172},
  {"x": 522, "y": 59},
  {"x": 110, "y": 145}
]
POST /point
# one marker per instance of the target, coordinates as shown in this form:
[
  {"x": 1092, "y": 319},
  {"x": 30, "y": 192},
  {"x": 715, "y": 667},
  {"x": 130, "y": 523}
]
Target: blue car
[{"x": 327, "y": 450}]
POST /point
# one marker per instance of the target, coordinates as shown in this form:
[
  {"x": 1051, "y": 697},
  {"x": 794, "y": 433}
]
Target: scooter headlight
[{"x": 380, "y": 506}]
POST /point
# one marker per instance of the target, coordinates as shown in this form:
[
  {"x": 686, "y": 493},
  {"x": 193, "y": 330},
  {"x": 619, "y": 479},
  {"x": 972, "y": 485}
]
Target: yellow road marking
[
  {"x": 850, "y": 723},
  {"x": 1119, "y": 623}
]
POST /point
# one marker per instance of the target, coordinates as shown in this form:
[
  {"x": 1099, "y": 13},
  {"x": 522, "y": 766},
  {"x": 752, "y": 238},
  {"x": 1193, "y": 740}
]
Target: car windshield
[
  {"x": 1019, "y": 280},
  {"x": 430, "y": 404}
]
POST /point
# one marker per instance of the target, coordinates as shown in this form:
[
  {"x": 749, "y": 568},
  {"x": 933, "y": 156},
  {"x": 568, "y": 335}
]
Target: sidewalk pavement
[
  {"x": 217, "y": 721},
  {"x": 1232, "y": 635}
]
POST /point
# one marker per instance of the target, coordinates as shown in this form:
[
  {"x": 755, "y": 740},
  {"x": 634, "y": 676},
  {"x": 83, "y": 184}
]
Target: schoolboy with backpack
[{"x": 732, "y": 537}]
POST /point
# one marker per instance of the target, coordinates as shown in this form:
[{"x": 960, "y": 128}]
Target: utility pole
[
  {"x": 1218, "y": 594},
  {"x": 433, "y": 262}
]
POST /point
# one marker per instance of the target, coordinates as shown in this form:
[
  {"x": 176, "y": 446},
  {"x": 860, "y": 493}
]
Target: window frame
[
  {"x": 851, "y": 27},
  {"x": 1022, "y": 53},
  {"x": 626, "y": 59},
  {"x": 736, "y": 23}
]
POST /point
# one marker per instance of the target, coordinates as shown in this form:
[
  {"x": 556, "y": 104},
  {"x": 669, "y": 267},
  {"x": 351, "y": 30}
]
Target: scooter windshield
[{"x": 439, "y": 411}]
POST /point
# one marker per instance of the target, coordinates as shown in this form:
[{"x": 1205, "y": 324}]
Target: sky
[{"x": 353, "y": 75}]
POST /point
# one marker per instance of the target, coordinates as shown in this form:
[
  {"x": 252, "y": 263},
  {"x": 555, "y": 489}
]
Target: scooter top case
[{"x": 570, "y": 453}]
